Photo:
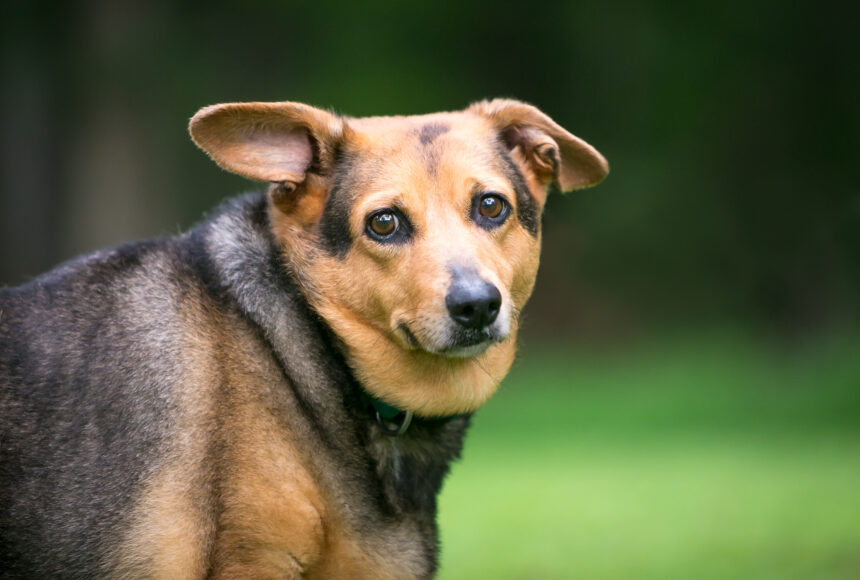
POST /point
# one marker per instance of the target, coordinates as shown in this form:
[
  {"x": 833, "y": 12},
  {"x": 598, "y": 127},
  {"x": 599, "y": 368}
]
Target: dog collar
[
  {"x": 394, "y": 421},
  {"x": 390, "y": 419}
]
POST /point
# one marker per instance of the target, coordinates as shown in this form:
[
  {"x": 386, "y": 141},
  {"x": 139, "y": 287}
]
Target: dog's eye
[
  {"x": 490, "y": 210},
  {"x": 383, "y": 223},
  {"x": 388, "y": 226},
  {"x": 491, "y": 206}
]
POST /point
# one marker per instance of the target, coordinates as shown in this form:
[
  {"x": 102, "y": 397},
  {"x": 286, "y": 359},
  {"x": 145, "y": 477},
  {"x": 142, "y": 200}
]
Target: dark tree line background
[{"x": 732, "y": 128}]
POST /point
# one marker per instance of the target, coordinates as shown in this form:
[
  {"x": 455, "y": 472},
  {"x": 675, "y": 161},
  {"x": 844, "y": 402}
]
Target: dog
[{"x": 279, "y": 392}]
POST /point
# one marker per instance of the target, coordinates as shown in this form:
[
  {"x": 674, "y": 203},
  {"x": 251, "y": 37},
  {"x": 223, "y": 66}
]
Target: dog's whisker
[{"x": 481, "y": 366}]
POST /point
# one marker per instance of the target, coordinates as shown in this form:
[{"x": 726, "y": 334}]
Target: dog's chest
[
  {"x": 281, "y": 517},
  {"x": 270, "y": 511},
  {"x": 297, "y": 497}
]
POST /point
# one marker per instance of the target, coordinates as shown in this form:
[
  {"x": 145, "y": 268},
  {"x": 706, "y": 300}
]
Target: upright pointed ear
[
  {"x": 553, "y": 154},
  {"x": 277, "y": 142}
]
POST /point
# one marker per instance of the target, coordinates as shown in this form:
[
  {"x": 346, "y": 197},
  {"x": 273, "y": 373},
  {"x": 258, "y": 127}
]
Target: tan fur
[
  {"x": 271, "y": 523},
  {"x": 169, "y": 534}
]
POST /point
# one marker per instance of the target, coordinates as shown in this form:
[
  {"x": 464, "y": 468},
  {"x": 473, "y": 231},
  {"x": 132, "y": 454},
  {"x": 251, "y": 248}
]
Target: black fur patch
[
  {"x": 430, "y": 131},
  {"x": 426, "y": 136},
  {"x": 335, "y": 236},
  {"x": 527, "y": 208}
]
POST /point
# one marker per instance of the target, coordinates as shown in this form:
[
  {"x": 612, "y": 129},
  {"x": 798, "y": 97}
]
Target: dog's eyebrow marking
[
  {"x": 426, "y": 135},
  {"x": 430, "y": 131}
]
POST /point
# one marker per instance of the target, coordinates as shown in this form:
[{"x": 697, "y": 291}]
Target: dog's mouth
[
  {"x": 467, "y": 351},
  {"x": 407, "y": 334},
  {"x": 463, "y": 343}
]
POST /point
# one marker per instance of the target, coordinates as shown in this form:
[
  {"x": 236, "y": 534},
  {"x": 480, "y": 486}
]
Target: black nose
[{"x": 473, "y": 302}]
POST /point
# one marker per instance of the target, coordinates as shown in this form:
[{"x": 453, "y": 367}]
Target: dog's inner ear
[
  {"x": 275, "y": 142},
  {"x": 551, "y": 152},
  {"x": 538, "y": 149}
]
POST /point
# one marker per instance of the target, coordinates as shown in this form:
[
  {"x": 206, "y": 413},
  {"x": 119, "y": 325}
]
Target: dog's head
[{"x": 416, "y": 238}]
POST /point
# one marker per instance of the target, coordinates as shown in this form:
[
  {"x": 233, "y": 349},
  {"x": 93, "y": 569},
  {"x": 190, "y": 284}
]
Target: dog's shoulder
[{"x": 101, "y": 359}]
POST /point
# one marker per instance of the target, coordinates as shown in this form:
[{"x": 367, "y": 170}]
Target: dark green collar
[{"x": 392, "y": 420}]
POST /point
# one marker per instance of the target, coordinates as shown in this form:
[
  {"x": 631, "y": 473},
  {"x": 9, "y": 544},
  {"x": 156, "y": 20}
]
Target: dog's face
[
  {"x": 416, "y": 238},
  {"x": 433, "y": 235}
]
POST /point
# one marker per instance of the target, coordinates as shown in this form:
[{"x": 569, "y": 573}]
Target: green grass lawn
[{"x": 695, "y": 459}]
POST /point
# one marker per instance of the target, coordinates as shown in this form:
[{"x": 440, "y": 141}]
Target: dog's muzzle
[{"x": 476, "y": 319}]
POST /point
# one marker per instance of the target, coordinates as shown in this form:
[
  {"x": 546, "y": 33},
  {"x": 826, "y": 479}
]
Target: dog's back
[{"x": 88, "y": 359}]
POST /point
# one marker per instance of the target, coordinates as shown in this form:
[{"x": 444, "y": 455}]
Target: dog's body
[{"x": 210, "y": 404}]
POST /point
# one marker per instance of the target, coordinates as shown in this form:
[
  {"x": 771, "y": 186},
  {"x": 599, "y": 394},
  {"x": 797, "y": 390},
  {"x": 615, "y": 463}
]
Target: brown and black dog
[{"x": 279, "y": 392}]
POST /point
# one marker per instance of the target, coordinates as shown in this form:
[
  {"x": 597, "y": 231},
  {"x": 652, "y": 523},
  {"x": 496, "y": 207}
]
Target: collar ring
[{"x": 395, "y": 426}]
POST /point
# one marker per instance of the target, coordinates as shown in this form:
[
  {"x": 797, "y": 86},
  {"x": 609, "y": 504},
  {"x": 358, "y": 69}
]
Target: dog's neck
[{"x": 403, "y": 473}]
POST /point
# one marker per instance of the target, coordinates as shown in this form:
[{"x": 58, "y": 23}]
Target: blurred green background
[{"x": 687, "y": 400}]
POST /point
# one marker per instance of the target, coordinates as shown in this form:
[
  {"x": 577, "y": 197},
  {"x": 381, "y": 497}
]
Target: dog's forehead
[
  {"x": 442, "y": 156},
  {"x": 441, "y": 140},
  {"x": 386, "y": 133}
]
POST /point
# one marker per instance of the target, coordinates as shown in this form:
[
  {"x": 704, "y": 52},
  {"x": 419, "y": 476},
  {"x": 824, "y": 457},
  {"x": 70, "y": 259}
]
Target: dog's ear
[
  {"x": 276, "y": 142},
  {"x": 553, "y": 154}
]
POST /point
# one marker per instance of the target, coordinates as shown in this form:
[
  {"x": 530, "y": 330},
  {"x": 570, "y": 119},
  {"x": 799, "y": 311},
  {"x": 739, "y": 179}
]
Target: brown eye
[
  {"x": 490, "y": 210},
  {"x": 491, "y": 206},
  {"x": 383, "y": 224}
]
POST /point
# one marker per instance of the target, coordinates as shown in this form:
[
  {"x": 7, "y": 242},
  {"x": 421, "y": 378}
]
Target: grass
[{"x": 704, "y": 458}]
